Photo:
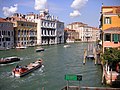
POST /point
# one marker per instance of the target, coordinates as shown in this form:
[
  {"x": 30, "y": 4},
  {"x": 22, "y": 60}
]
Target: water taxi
[
  {"x": 40, "y": 49},
  {"x": 9, "y": 60},
  {"x": 20, "y": 71}
]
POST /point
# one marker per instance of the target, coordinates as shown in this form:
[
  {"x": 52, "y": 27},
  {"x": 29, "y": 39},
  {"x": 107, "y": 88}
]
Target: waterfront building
[
  {"x": 110, "y": 17},
  {"x": 111, "y": 37},
  {"x": 6, "y": 34},
  {"x": 25, "y": 31},
  {"x": 95, "y": 34},
  {"x": 86, "y": 33},
  {"x": 110, "y": 26},
  {"x": 49, "y": 29},
  {"x": 71, "y": 35}
]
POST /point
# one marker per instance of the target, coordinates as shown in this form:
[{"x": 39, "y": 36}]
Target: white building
[
  {"x": 6, "y": 34},
  {"x": 86, "y": 33},
  {"x": 49, "y": 29}
]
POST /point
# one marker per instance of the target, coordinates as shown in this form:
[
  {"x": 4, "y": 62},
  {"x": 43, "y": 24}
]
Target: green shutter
[
  {"x": 119, "y": 37},
  {"x": 110, "y": 20},
  {"x": 104, "y": 20},
  {"x": 115, "y": 37}
]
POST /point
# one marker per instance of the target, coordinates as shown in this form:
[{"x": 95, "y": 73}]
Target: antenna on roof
[
  {"x": 102, "y": 4},
  {"x": 46, "y": 6}
]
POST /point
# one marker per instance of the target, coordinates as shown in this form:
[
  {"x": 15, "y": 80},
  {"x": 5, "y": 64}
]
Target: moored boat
[
  {"x": 66, "y": 46},
  {"x": 91, "y": 56},
  {"x": 40, "y": 49},
  {"x": 21, "y": 47},
  {"x": 9, "y": 60},
  {"x": 109, "y": 76},
  {"x": 20, "y": 71}
]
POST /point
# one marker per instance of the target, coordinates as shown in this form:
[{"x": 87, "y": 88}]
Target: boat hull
[
  {"x": 39, "y": 50},
  {"x": 9, "y": 60},
  {"x": 21, "y": 47},
  {"x": 27, "y": 70}
]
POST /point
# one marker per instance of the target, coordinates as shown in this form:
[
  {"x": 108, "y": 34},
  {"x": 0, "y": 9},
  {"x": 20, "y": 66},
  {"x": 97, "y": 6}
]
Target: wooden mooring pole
[
  {"x": 85, "y": 55},
  {"x": 95, "y": 55},
  {"x": 43, "y": 88}
]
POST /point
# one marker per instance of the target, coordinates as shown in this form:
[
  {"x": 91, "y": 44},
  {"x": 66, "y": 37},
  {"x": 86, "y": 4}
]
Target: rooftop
[
  {"x": 111, "y": 9},
  {"x": 3, "y": 20},
  {"x": 112, "y": 30}
]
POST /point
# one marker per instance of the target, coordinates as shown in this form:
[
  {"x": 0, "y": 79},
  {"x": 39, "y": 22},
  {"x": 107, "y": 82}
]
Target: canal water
[{"x": 57, "y": 61}]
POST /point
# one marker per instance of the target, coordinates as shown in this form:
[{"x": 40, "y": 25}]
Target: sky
[{"x": 67, "y": 11}]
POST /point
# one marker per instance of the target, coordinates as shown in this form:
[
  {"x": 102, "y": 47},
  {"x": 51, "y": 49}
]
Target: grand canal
[{"x": 57, "y": 60}]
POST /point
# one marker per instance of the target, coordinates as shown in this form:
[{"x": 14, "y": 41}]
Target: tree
[
  {"x": 112, "y": 54},
  {"x": 112, "y": 57}
]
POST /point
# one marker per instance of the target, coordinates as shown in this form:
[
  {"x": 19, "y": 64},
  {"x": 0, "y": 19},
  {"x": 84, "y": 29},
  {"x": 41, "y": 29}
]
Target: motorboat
[
  {"x": 20, "y": 71},
  {"x": 21, "y": 47},
  {"x": 91, "y": 56},
  {"x": 9, "y": 60},
  {"x": 40, "y": 49},
  {"x": 66, "y": 46}
]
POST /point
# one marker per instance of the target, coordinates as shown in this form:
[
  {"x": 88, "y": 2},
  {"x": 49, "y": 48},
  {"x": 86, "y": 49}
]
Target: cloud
[
  {"x": 40, "y": 4},
  {"x": 75, "y": 13},
  {"x": 77, "y": 5},
  {"x": 10, "y": 11}
]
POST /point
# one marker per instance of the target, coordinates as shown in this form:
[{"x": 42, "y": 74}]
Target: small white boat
[
  {"x": 40, "y": 49},
  {"x": 66, "y": 46},
  {"x": 21, "y": 47},
  {"x": 20, "y": 71},
  {"x": 91, "y": 56}
]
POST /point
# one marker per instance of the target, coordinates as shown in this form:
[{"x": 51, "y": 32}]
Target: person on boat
[{"x": 17, "y": 66}]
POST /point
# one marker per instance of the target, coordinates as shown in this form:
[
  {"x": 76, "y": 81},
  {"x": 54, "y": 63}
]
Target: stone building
[
  {"x": 49, "y": 29},
  {"x": 6, "y": 34},
  {"x": 86, "y": 33},
  {"x": 25, "y": 31}
]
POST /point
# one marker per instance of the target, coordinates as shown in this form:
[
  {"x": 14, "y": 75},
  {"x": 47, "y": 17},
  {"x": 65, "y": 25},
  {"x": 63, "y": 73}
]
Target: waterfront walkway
[{"x": 88, "y": 88}]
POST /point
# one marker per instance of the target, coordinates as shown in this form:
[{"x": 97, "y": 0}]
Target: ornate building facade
[
  {"x": 86, "y": 33},
  {"x": 6, "y": 34},
  {"x": 49, "y": 29},
  {"x": 25, "y": 31}
]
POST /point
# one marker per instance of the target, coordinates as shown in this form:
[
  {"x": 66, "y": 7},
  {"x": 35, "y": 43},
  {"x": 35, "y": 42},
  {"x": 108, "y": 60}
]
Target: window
[
  {"x": 115, "y": 37},
  {"x": 107, "y": 20},
  {"x": 119, "y": 37},
  {"x": 107, "y": 37},
  {"x": 42, "y": 23},
  {"x": 42, "y": 31},
  {"x": 7, "y": 39},
  {"x": 9, "y": 33},
  {"x": 45, "y": 32}
]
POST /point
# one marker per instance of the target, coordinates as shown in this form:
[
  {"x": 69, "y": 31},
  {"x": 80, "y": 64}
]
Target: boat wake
[
  {"x": 8, "y": 64},
  {"x": 5, "y": 74}
]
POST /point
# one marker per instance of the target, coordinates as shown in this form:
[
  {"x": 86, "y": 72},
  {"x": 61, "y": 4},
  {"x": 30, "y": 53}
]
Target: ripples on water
[{"x": 57, "y": 61}]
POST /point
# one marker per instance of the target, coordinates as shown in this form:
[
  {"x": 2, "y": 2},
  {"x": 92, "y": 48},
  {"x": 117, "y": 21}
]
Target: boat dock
[{"x": 88, "y": 88}]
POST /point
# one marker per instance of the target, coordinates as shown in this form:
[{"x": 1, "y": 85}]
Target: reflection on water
[{"x": 57, "y": 61}]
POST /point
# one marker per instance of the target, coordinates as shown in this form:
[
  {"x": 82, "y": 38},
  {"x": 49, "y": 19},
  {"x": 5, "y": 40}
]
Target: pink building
[{"x": 111, "y": 37}]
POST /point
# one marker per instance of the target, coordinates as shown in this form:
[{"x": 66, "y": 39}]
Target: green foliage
[{"x": 112, "y": 54}]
